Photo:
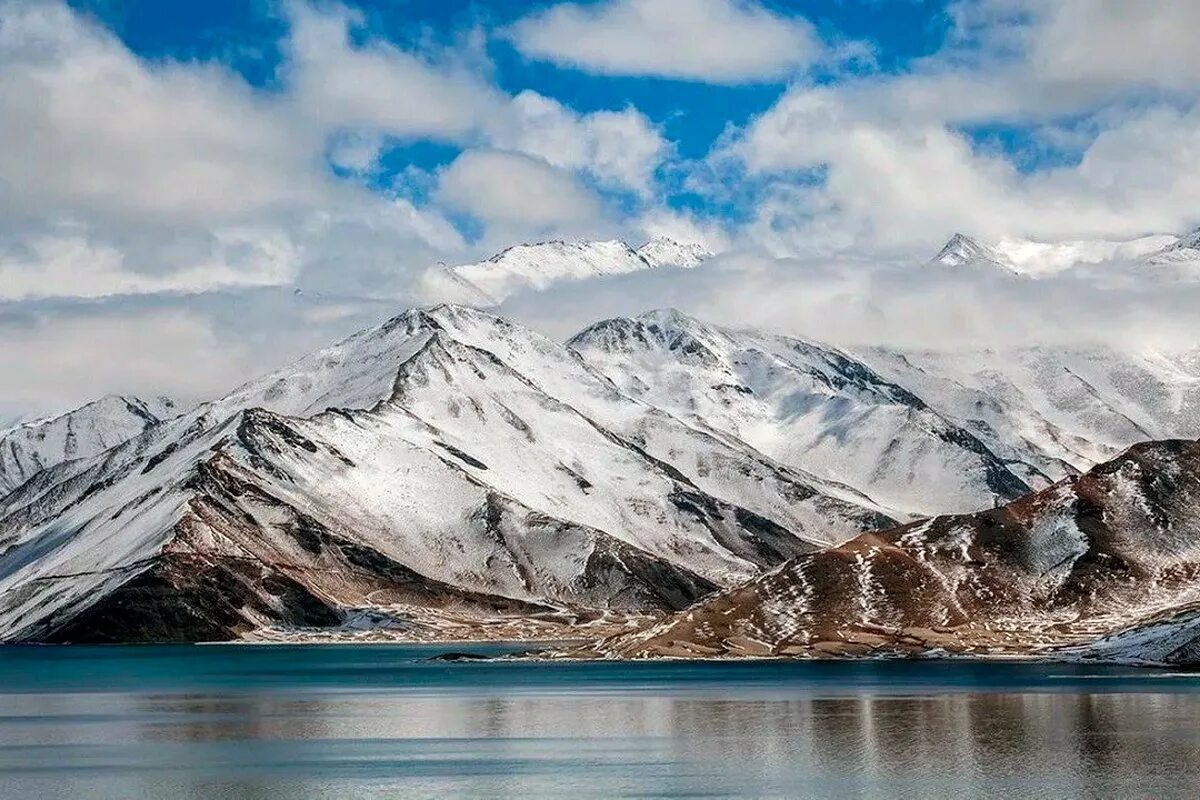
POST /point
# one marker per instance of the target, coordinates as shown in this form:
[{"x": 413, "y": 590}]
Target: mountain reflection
[{"x": 277, "y": 744}]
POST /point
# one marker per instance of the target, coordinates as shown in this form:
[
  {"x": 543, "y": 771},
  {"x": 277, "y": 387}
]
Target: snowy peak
[
  {"x": 666, "y": 252},
  {"x": 962, "y": 250},
  {"x": 1185, "y": 249},
  {"x": 86, "y": 431},
  {"x": 1036, "y": 259},
  {"x": 541, "y": 265},
  {"x": 538, "y": 266},
  {"x": 806, "y": 405}
]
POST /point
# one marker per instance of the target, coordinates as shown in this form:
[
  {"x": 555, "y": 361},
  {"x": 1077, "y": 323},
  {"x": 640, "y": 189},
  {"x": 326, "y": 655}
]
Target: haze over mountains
[
  {"x": 451, "y": 458},
  {"x": 1039, "y": 259}
]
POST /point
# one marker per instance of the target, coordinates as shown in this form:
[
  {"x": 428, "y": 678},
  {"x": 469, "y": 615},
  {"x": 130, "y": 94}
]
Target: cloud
[
  {"x": 378, "y": 86},
  {"x": 717, "y": 41},
  {"x": 514, "y": 189},
  {"x": 888, "y": 163},
  {"x": 82, "y": 357},
  {"x": 1109, "y": 45},
  {"x": 66, "y": 264},
  {"x": 617, "y": 149},
  {"x": 866, "y": 302},
  {"x": 87, "y": 129}
]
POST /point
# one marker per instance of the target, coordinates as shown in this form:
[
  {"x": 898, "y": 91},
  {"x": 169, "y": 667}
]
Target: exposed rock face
[{"x": 1092, "y": 556}]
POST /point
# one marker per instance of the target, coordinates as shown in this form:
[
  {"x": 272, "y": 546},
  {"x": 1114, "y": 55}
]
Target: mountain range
[
  {"x": 538, "y": 266},
  {"x": 1089, "y": 567},
  {"x": 780, "y": 496},
  {"x": 1035, "y": 259}
]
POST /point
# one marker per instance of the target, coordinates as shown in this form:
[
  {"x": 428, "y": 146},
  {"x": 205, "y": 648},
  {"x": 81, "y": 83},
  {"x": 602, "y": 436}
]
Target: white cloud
[
  {"x": 619, "y": 149},
  {"x": 513, "y": 189},
  {"x": 51, "y": 362},
  {"x": 881, "y": 162},
  {"x": 88, "y": 129},
  {"x": 1107, "y": 44},
  {"x": 379, "y": 86},
  {"x": 718, "y": 41},
  {"x": 71, "y": 265}
]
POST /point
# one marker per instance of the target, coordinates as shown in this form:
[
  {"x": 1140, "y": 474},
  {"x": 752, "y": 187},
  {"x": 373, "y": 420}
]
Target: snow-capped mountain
[
  {"x": 806, "y": 405},
  {"x": 1039, "y": 259},
  {"x": 665, "y": 252},
  {"x": 961, "y": 250},
  {"x": 462, "y": 459},
  {"x": 1102, "y": 565},
  {"x": 1184, "y": 250},
  {"x": 1060, "y": 410},
  {"x": 539, "y": 266},
  {"x": 31, "y": 447}
]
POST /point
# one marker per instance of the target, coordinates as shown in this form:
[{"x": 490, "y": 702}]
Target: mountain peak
[
  {"x": 962, "y": 249},
  {"x": 538, "y": 265},
  {"x": 663, "y": 251}
]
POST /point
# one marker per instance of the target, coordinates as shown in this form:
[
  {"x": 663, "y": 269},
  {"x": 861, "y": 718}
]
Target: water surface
[{"x": 385, "y": 721}]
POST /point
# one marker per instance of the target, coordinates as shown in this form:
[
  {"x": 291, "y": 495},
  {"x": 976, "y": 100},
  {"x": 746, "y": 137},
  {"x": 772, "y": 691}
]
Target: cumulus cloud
[
  {"x": 514, "y": 189},
  {"x": 889, "y": 163},
  {"x": 618, "y": 149},
  {"x": 377, "y": 85},
  {"x": 89, "y": 129},
  {"x": 718, "y": 41}
]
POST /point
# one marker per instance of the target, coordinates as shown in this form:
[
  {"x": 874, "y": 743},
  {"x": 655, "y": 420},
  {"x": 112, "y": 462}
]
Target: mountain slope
[
  {"x": 1087, "y": 558},
  {"x": 805, "y": 405},
  {"x": 1032, "y": 259},
  {"x": 541, "y": 265},
  {"x": 1061, "y": 410},
  {"x": 465, "y": 460},
  {"x": 86, "y": 431},
  {"x": 665, "y": 252}
]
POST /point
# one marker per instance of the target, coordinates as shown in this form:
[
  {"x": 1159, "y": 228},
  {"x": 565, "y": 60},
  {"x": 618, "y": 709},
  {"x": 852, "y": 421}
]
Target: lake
[{"x": 382, "y": 721}]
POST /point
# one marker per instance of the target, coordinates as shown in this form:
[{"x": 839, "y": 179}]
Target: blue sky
[
  {"x": 246, "y": 35},
  {"x": 242, "y": 180}
]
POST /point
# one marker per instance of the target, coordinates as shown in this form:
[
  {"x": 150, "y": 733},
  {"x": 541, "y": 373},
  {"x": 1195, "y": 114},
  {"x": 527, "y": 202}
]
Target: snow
[
  {"x": 806, "y": 405},
  {"x": 1040, "y": 259},
  {"x": 465, "y": 447},
  {"x": 83, "y": 432},
  {"x": 538, "y": 266},
  {"x": 1058, "y": 410},
  {"x": 665, "y": 252}
]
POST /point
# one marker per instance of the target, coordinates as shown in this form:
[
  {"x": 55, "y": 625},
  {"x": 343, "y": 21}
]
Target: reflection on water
[{"x": 177, "y": 726}]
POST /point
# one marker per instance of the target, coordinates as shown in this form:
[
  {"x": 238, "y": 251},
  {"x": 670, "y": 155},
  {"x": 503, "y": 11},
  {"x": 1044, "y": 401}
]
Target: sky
[{"x": 192, "y": 193}]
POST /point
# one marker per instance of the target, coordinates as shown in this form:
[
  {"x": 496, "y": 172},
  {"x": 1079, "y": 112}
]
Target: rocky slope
[
  {"x": 445, "y": 457},
  {"x": 31, "y": 447},
  {"x": 809, "y": 406},
  {"x": 1103, "y": 565}
]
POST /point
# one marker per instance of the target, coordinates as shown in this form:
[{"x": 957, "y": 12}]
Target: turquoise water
[{"x": 367, "y": 721}]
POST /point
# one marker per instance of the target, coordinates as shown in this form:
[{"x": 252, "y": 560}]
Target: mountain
[
  {"x": 961, "y": 250},
  {"x": 1183, "y": 251},
  {"x": 665, "y": 252},
  {"x": 1040, "y": 259},
  {"x": 30, "y": 447},
  {"x": 1099, "y": 565},
  {"x": 806, "y": 405},
  {"x": 539, "y": 266},
  {"x": 447, "y": 458},
  {"x": 1061, "y": 410}
]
